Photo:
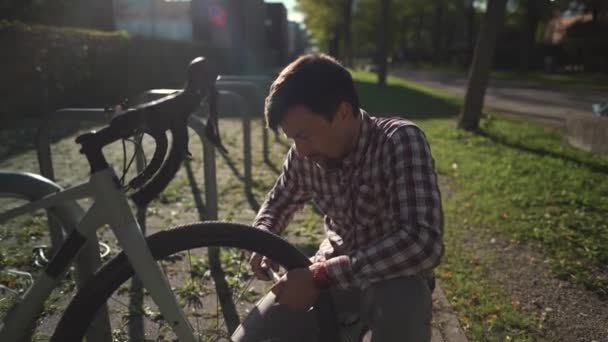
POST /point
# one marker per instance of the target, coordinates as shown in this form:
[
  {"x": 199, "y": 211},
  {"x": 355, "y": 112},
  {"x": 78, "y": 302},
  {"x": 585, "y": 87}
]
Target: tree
[
  {"x": 330, "y": 23},
  {"x": 470, "y": 15},
  {"x": 437, "y": 30},
  {"x": 482, "y": 65},
  {"x": 531, "y": 20},
  {"x": 347, "y": 11},
  {"x": 15, "y": 10},
  {"x": 324, "y": 20},
  {"x": 384, "y": 41},
  {"x": 95, "y": 14}
]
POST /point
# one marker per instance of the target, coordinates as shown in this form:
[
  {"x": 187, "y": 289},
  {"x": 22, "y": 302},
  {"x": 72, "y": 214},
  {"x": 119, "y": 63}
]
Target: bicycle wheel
[{"x": 214, "y": 296}]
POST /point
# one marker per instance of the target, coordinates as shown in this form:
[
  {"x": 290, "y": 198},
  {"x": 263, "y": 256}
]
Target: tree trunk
[
  {"x": 403, "y": 41},
  {"x": 449, "y": 44},
  {"x": 95, "y": 14},
  {"x": 418, "y": 44},
  {"x": 437, "y": 31},
  {"x": 482, "y": 65},
  {"x": 348, "y": 44},
  {"x": 528, "y": 39},
  {"x": 595, "y": 10},
  {"x": 334, "y": 45},
  {"x": 383, "y": 42},
  {"x": 470, "y": 16}
]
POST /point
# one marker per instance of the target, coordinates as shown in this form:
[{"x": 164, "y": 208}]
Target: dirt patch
[{"x": 567, "y": 312}]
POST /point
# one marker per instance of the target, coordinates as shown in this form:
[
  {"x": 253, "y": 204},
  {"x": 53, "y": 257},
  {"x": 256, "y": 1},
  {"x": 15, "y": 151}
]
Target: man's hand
[
  {"x": 260, "y": 264},
  {"x": 296, "y": 289}
]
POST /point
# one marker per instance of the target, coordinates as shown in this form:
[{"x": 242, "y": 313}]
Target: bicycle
[{"x": 157, "y": 259}]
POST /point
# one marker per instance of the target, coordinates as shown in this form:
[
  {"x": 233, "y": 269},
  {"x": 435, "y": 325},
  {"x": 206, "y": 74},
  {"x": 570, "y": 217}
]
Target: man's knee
[{"x": 270, "y": 321}]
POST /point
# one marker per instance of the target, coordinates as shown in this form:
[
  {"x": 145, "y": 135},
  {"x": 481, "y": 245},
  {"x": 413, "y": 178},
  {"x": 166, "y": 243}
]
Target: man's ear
[{"x": 345, "y": 110}]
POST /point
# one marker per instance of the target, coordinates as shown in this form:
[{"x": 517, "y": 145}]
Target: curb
[{"x": 445, "y": 325}]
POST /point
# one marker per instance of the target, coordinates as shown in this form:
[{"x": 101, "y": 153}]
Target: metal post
[
  {"x": 254, "y": 100},
  {"x": 265, "y": 151},
  {"x": 43, "y": 149},
  {"x": 262, "y": 83},
  {"x": 209, "y": 176},
  {"x": 210, "y": 181},
  {"x": 247, "y": 151}
]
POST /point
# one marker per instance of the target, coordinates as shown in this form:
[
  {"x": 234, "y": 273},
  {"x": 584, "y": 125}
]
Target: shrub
[{"x": 45, "y": 68}]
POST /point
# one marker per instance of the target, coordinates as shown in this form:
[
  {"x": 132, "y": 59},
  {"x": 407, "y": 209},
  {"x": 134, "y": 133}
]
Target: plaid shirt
[{"x": 382, "y": 206}]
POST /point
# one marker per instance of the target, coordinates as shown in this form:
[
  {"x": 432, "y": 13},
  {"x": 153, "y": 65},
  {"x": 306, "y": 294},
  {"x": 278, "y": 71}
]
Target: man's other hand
[{"x": 260, "y": 264}]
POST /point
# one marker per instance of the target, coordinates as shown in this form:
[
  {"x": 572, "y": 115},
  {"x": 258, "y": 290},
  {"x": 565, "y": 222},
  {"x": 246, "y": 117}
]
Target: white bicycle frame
[{"x": 110, "y": 206}]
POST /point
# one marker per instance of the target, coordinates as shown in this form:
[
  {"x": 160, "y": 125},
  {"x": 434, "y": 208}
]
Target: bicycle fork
[{"x": 112, "y": 202}]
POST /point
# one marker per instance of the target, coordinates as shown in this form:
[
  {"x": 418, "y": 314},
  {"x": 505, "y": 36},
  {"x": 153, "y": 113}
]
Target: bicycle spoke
[
  {"x": 190, "y": 272},
  {"x": 244, "y": 289}
]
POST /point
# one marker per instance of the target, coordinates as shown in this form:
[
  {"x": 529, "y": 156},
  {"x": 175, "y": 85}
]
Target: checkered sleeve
[
  {"x": 416, "y": 245},
  {"x": 287, "y": 196}
]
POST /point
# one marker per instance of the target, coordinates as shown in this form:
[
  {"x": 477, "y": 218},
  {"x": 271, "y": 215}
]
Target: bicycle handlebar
[{"x": 155, "y": 118}]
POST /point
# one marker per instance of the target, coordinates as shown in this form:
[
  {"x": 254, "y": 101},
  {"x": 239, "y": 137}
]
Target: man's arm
[
  {"x": 415, "y": 200},
  {"x": 284, "y": 199}
]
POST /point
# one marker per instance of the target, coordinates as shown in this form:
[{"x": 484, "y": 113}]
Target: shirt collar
[{"x": 354, "y": 157}]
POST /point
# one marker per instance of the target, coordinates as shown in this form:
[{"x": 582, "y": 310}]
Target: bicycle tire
[{"x": 117, "y": 271}]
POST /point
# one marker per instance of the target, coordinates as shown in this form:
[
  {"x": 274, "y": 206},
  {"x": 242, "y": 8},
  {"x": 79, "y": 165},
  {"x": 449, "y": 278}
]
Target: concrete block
[{"x": 589, "y": 133}]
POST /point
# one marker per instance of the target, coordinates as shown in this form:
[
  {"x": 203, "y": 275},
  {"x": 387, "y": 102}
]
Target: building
[
  {"x": 276, "y": 33},
  {"x": 154, "y": 18}
]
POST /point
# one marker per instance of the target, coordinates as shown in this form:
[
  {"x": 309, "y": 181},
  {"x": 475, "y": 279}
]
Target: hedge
[{"x": 45, "y": 68}]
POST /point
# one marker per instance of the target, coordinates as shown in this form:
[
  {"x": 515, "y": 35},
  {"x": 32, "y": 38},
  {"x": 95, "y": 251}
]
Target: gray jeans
[{"x": 399, "y": 309}]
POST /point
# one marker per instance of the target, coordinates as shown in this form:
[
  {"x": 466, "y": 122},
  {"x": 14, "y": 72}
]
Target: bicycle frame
[{"x": 110, "y": 207}]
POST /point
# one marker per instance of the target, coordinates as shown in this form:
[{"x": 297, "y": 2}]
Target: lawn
[{"x": 514, "y": 179}]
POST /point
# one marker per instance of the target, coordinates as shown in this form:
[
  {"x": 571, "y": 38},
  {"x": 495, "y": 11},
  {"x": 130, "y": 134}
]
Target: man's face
[{"x": 316, "y": 138}]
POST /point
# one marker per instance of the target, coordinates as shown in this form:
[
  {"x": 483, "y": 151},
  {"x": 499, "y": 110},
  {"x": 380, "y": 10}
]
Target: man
[{"x": 374, "y": 180}]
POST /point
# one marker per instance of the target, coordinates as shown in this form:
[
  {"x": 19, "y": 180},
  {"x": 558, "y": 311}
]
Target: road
[{"x": 548, "y": 106}]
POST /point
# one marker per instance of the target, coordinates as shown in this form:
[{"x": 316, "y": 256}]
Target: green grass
[
  {"x": 402, "y": 97},
  {"x": 526, "y": 182},
  {"x": 515, "y": 179}
]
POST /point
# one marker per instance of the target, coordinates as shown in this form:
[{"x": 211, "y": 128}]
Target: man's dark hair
[{"x": 316, "y": 81}]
